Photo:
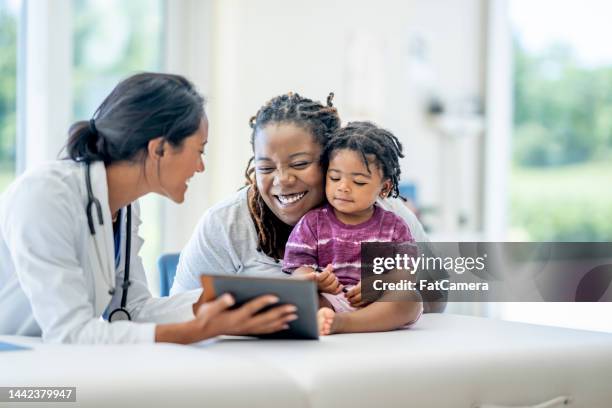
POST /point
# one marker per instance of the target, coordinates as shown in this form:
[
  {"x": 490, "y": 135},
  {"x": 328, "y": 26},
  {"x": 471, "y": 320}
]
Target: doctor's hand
[
  {"x": 214, "y": 318},
  {"x": 194, "y": 330},
  {"x": 249, "y": 318}
]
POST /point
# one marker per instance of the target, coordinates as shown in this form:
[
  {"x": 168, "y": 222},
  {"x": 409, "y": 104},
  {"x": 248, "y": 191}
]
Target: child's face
[{"x": 349, "y": 187}]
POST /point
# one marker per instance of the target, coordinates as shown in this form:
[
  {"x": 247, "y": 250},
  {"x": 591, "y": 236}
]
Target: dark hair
[
  {"x": 320, "y": 121},
  {"x": 139, "y": 109},
  {"x": 368, "y": 139}
]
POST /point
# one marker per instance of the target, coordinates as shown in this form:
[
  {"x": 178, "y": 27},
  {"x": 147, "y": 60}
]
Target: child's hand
[
  {"x": 354, "y": 296},
  {"x": 328, "y": 282},
  {"x": 305, "y": 273}
]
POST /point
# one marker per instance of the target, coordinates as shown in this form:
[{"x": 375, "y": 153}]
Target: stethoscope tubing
[{"x": 121, "y": 312}]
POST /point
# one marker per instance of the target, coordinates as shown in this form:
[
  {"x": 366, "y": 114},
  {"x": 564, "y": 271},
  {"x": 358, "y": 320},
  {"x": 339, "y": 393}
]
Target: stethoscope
[{"x": 120, "y": 313}]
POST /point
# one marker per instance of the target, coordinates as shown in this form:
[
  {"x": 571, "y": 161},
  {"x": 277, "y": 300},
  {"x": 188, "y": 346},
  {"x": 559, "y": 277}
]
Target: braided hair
[
  {"x": 291, "y": 108},
  {"x": 366, "y": 138}
]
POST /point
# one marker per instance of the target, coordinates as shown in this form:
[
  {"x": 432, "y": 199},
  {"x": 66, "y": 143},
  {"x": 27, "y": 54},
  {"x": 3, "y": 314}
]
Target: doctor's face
[{"x": 179, "y": 164}]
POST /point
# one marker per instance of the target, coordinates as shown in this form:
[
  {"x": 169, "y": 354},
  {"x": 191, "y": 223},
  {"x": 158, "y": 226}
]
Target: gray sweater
[{"x": 225, "y": 242}]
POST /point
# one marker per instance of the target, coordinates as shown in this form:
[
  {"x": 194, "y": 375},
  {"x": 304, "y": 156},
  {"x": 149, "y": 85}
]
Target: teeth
[{"x": 291, "y": 198}]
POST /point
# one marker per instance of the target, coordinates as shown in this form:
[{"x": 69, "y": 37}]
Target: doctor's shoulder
[{"x": 49, "y": 187}]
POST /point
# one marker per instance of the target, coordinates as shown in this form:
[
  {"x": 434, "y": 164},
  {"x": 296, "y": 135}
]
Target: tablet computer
[{"x": 301, "y": 293}]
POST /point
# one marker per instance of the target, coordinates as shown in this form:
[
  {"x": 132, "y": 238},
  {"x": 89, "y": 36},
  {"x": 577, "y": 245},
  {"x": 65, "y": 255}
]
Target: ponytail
[
  {"x": 86, "y": 144},
  {"x": 140, "y": 108}
]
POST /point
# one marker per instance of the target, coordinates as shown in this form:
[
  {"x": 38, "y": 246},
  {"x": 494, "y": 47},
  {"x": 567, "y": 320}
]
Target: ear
[
  {"x": 386, "y": 188},
  {"x": 155, "y": 148}
]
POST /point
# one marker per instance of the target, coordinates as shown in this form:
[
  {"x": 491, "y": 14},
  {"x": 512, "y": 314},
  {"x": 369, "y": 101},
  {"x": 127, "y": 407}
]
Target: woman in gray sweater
[{"x": 246, "y": 233}]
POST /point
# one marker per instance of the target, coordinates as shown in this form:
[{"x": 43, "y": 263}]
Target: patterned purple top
[{"x": 320, "y": 239}]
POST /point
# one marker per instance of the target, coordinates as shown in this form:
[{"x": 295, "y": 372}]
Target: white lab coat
[{"x": 53, "y": 283}]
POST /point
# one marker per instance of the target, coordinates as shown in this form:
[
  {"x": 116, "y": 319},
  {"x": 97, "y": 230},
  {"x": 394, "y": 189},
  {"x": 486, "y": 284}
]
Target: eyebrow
[
  {"x": 290, "y": 156},
  {"x": 354, "y": 174}
]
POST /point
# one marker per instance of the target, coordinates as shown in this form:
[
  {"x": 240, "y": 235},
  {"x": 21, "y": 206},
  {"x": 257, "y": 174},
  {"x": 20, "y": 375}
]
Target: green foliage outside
[
  {"x": 562, "y": 146},
  {"x": 572, "y": 203},
  {"x": 8, "y": 92},
  {"x": 563, "y": 111},
  {"x": 112, "y": 40}
]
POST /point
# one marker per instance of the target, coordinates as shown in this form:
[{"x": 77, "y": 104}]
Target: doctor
[{"x": 69, "y": 264}]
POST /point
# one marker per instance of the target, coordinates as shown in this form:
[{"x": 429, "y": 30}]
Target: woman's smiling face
[{"x": 287, "y": 170}]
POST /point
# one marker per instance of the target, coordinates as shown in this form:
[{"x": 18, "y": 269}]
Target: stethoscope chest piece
[{"x": 118, "y": 315}]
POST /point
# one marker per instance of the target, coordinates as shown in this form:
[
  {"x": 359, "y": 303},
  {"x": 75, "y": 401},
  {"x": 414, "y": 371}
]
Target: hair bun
[{"x": 330, "y": 99}]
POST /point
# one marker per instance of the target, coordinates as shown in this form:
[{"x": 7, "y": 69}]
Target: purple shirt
[{"x": 320, "y": 239}]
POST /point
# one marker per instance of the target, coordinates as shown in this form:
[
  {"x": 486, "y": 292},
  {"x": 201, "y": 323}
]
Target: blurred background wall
[{"x": 505, "y": 112}]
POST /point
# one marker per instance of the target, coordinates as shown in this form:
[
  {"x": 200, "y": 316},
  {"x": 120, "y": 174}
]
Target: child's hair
[
  {"x": 368, "y": 139},
  {"x": 320, "y": 121}
]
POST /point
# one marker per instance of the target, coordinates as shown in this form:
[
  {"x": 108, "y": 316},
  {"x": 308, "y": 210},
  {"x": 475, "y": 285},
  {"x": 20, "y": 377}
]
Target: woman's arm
[{"x": 418, "y": 233}]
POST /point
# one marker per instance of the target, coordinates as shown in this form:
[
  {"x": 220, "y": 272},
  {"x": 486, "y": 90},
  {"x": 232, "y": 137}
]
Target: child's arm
[{"x": 301, "y": 256}]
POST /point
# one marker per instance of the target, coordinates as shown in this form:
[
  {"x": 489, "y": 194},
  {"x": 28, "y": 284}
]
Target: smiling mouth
[
  {"x": 344, "y": 200},
  {"x": 288, "y": 199}
]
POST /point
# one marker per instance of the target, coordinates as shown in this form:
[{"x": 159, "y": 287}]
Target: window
[
  {"x": 562, "y": 138},
  {"x": 112, "y": 40},
  {"x": 561, "y": 169},
  {"x": 9, "y": 28}
]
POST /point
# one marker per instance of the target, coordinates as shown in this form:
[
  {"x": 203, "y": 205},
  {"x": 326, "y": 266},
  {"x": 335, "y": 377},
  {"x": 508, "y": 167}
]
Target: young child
[{"x": 362, "y": 162}]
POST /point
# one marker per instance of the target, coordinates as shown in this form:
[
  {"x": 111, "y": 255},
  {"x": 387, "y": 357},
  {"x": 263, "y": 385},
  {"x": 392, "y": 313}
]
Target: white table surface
[{"x": 445, "y": 360}]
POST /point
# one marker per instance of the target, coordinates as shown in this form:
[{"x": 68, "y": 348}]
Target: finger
[
  {"x": 252, "y": 307},
  {"x": 354, "y": 290},
  {"x": 214, "y": 307},
  {"x": 329, "y": 285},
  {"x": 328, "y": 280},
  {"x": 312, "y": 276},
  {"x": 321, "y": 276},
  {"x": 356, "y": 297},
  {"x": 271, "y": 328},
  {"x": 358, "y": 304},
  {"x": 276, "y": 317},
  {"x": 335, "y": 287},
  {"x": 339, "y": 288},
  {"x": 355, "y": 302}
]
